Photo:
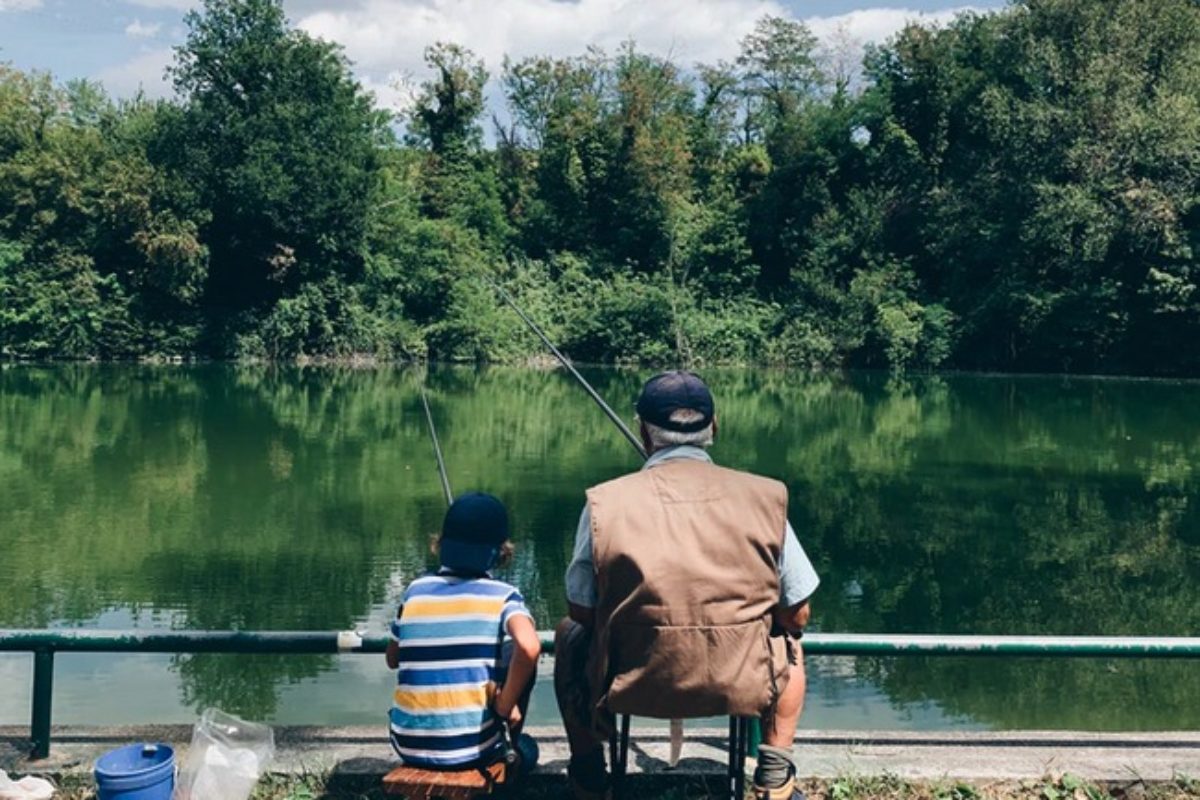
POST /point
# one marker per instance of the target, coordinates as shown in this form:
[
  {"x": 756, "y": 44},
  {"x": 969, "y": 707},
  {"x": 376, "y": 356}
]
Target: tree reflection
[{"x": 220, "y": 497}]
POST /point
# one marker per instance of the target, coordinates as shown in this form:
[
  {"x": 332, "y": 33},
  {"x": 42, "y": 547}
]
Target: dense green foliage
[{"x": 1014, "y": 191}]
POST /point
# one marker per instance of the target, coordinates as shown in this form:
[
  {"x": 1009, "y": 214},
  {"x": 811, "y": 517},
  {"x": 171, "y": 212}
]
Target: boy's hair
[{"x": 507, "y": 550}]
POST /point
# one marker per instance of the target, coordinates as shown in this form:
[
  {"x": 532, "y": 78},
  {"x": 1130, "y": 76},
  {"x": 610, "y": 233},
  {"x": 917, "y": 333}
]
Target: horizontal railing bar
[
  {"x": 1028, "y": 646},
  {"x": 842, "y": 644}
]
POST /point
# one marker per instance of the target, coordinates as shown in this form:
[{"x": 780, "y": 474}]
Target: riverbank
[
  {"x": 845, "y": 788},
  {"x": 328, "y": 762}
]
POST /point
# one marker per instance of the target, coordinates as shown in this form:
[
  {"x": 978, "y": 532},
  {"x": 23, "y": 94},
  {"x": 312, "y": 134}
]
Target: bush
[
  {"x": 328, "y": 318},
  {"x": 798, "y": 342},
  {"x": 730, "y": 331},
  {"x": 627, "y": 319}
]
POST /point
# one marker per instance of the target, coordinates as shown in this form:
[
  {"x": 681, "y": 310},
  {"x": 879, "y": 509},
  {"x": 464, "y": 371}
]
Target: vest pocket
[{"x": 672, "y": 672}]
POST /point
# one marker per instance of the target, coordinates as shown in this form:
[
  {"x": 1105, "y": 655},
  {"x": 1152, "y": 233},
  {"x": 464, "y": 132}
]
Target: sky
[{"x": 126, "y": 44}]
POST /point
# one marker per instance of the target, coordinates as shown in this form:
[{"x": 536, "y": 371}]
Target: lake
[{"x": 260, "y": 498}]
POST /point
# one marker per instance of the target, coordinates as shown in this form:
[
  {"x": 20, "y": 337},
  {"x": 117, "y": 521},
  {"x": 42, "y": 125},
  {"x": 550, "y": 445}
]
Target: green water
[{"x": 219, "y": 497}]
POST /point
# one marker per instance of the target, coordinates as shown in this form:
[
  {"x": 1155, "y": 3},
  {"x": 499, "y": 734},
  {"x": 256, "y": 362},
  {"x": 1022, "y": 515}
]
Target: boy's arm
[
  {"x": 526, "y": 649},
  {"x": 392, "y": 654}
]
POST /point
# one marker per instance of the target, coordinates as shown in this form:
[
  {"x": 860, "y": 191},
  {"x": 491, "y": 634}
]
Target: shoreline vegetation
[{"x": 1016, "y": 192}]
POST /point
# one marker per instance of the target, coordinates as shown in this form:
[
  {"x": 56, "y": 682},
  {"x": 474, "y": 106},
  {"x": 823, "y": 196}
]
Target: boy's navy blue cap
[
  {"x": 671, "y": 391},
  {"x": 474, "y": 528}
]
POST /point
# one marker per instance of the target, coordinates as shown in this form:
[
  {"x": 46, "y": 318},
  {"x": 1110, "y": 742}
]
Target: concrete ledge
[{"x": 1012, "y": 755}]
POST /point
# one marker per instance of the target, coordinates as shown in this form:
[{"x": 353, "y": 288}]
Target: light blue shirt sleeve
[
  {"x": 514, "y": 606},
  {"x": 797, "y": 578},
  {"x": 581, "y": 574}
]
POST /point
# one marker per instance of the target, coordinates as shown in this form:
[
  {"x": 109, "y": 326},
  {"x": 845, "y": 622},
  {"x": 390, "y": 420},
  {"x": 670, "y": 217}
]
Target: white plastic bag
[
  {"x": 226, "y": 758},
  {"x": 28, "y": 788}
]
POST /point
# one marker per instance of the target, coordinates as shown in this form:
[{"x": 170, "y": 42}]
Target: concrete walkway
[{"x": 825, "y": 754}]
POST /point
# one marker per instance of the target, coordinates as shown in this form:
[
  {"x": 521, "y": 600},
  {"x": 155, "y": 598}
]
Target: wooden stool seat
[{"x": 416, "y": 783}]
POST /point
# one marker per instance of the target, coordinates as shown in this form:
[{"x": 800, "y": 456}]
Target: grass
[{"x": 884, "y": 787}]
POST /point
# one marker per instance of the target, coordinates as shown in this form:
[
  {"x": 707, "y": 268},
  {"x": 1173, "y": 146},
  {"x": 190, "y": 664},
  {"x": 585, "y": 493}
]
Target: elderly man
[{"x": 688, "y": 592}]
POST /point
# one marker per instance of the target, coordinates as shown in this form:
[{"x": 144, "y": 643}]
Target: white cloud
[
  {"x": 142, "y": 30},
  {"x": 386, "y": 38},
  {"x": 19, "y": 5},
  {"x": 875, "y": 25},
  {"x": 144, "y": 72},
  {"x": 181, "y": 5}
]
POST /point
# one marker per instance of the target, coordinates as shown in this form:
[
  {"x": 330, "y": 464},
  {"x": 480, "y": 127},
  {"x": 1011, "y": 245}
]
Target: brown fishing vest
[{"x": 687, "y": 575}]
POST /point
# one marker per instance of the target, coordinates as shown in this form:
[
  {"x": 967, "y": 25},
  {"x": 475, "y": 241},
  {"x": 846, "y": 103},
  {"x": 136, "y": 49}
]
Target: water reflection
[{"x": 221, "y": 497}]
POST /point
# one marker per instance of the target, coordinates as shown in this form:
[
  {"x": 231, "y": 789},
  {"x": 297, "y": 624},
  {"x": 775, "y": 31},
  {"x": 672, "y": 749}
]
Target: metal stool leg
[
  {"x": 739, "y": 739},
  {"x": 734, "y": 748},
  {"x": 743, "y": 744},
  {"x": 618, "y": 746}
]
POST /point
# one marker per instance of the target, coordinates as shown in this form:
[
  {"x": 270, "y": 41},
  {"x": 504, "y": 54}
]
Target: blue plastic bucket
[{"x": 136, "y": 772}]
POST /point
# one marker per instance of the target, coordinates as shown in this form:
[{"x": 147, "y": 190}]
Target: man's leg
[
  {"x": 782, "y": 730},
  {"x": 773, "y": 777},
  {"x": 571, "y": 644}
]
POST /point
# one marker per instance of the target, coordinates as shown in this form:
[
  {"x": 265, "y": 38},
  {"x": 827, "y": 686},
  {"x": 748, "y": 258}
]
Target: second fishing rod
[{"x": 562, "y": 359}]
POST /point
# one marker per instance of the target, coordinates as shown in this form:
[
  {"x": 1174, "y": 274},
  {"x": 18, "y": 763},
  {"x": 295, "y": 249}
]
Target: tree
[
  {"x": 1055, "y": 202},
  {"x": 445, "y": 117},
  {"x": 779, "y": 72},
  {"x": 461, "y": 182},
  {"x": 283, "y": 144}
]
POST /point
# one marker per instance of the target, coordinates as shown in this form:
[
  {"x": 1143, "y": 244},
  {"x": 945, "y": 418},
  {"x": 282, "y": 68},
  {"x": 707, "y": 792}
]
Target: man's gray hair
[{"x": 661, "y": 437}]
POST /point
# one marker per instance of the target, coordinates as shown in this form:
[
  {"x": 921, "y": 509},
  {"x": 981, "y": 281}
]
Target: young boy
[{"x": 459, "y": 682}]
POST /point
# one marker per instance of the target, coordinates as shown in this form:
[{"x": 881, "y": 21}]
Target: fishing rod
[
  {"x": 587, "y": 387},
  {"x": 437, "y": 449}
]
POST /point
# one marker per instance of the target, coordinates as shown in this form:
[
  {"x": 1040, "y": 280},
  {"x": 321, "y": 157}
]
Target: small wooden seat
[{"x": 464, "y": 784}]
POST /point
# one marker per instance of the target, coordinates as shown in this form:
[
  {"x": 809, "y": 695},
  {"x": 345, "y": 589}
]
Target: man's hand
[{"x": 795, "y": 618}]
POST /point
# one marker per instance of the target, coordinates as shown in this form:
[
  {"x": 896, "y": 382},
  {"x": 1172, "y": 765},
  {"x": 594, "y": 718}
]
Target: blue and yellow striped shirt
[{"x": 450, "y": 631}]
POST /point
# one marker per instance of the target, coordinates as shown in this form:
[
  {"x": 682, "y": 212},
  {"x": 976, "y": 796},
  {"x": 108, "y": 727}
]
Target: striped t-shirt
[{"x": 450, "y": 631}]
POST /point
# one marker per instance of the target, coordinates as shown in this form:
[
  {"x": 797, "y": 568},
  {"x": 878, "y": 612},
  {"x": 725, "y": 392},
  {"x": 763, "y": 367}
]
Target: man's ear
[
  {"x": 715, "y": 427},
  {"x": 645, "y": 434}
]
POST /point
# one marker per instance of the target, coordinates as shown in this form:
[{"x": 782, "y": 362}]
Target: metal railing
[{"x": 44, "y": 644}]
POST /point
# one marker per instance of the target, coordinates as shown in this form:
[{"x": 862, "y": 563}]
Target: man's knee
[{"x": 571, "y": 644}]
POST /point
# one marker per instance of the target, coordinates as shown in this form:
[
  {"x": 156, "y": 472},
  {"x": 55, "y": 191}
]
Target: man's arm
[
  {"x": 581, "y": 575},
  {"x": 797, "y": 582}
]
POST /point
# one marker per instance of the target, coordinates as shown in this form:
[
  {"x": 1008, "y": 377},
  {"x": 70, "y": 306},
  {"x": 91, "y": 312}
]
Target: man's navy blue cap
[
  {"x": 669, "y": 392},
  {"x": 474, "y": 528}
]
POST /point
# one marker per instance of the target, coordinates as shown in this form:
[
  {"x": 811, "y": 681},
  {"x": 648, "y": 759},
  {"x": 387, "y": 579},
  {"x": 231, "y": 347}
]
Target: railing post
[{"x": 43, "y": 696}]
